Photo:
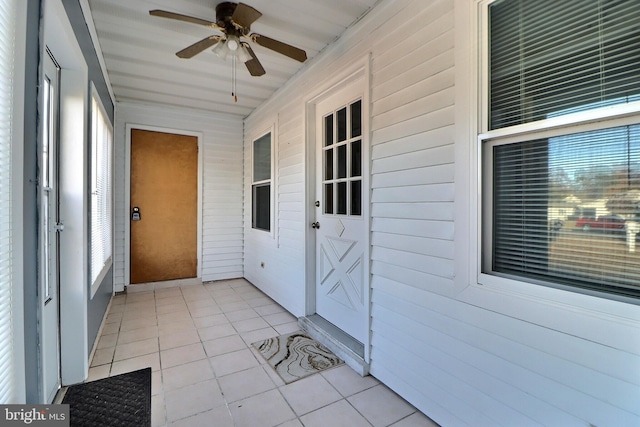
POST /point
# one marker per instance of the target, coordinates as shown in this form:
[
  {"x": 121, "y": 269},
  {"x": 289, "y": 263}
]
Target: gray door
[{"x": 49, "y": 229}]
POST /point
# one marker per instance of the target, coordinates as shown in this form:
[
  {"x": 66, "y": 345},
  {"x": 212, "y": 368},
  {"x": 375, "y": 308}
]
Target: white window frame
[
  {"x": 601, "y": 118},
  {"x": 270, "y": 181},
  {"x": 101, "y": 253}
]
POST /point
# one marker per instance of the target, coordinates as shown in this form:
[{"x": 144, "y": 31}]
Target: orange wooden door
[{"x": 164, "y": 186}]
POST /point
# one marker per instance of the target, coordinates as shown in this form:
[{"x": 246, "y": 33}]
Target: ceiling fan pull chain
[{"x": 233, "y": 78}]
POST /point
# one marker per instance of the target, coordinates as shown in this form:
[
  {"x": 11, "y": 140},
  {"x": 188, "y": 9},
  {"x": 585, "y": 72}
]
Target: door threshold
[{"x": 340, "y": 343}]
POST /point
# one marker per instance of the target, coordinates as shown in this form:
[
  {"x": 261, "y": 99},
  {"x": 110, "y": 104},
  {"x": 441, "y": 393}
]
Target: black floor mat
[{"x": 122, "y": 400}]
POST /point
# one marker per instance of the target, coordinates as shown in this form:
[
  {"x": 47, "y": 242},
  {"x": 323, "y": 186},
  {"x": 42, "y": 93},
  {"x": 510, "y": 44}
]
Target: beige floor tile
[
  {"x": 229, "y": 307},
  {"x": 192, "y": 400},
  {"x": 273, "y": 375},
  {"x": 269, "y": 408},
  {"x": 103, "y": 356},
  {"x": 264, "y": 310},
  {"x": 245, "y": 384},
  {"x": 115, "y": 314},
  {"x": 186, "y": 375},
  {"x": 149, "y": 360},
  {"x": 418, "y": 419},
  {"x": 177, "y": 307},
  {"x": 169, "y": 318},
  {"x": 107, "y": 340},
  {"x": 214, "y": 332},
  {"x": 175, "y": 327},
  {"x": 135, "y": 311},
  {"x": 135, "y": 349},
  {"x": 291, "y": 423},
  {"x": 287, "y": 328},
  {"x": 138, "y": 335},
  {"x": 140, "y": 301},
  {"x": 207, "y": 321},
  {"x": 98, "y": 372},
  {"x": 309, "y": 394},
  {"x": 248, "y": 313},
  {"x": 137, "y": 288},
  {"x": 218, "y": 417},
  {"x": 179, "y": 339},
  {"x": 196, "y": 294},
  {"x": 339, "y": 414},
  {"x": 142, "y": 322},
  {"x": 168, "y": 293},
  {"x": 170, "y": 300},
  {"x": 259, "y": 335},
  {"x": 249, "y": 325},
  {"x": 229, "y": 298},
  {"x": 347, "y": 381},
  {"x": 135, "y": 315},
  {"x": 381, "y": 406},
  {"x": 233, "y": 362},
  {"x": 181, "y": 355},
  {"x": 260, "y": 301},
  {"x": 201, "y": 303},
  {"x": 111, "y": 328},
  {"x": 279, "y": 318},
  {"x": 205, "y": 311},
  {"x": 224, "y": 345}
]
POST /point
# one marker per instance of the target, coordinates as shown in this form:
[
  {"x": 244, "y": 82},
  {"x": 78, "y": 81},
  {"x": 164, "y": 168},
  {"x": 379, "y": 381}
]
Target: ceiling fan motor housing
[{"x": 224, "y": 12}]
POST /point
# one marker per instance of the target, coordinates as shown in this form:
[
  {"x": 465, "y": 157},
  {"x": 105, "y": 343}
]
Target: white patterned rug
[{"x": 296, "y": 355}]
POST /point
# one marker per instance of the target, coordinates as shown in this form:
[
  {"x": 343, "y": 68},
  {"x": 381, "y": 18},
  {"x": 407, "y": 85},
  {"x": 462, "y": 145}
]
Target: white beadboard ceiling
[{"x": 139, "y": 49}]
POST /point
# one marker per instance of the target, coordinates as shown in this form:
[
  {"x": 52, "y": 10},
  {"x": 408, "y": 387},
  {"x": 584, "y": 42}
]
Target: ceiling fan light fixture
[
  {"x": 220, "y": 49},
  {"x": 233, "y": 43},
  {"x": 243, "y": 54}
]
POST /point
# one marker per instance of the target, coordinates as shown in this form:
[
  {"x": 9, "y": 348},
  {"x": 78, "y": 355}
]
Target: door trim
[
  {"x": 74, "y": 92},
  {"x": 358, "y": 70},
  {"x": 127, "y": 193}
]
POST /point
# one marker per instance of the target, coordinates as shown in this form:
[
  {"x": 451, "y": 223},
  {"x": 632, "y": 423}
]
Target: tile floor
[{"x": 197, "y": 341}]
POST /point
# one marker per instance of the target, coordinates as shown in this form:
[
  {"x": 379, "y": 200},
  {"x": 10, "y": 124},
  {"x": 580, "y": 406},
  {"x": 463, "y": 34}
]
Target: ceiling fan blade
[
  {"x": 280, "y": 47},
  {"x": 253, "y": 65},
  {"x": 185, "y": 18},
  {"x": 245, "y": 15},
  {"x": 196, "y": 48}
]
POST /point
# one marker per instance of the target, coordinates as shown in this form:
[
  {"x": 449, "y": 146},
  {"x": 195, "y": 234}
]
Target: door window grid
[{"x": 342, "y": 161}]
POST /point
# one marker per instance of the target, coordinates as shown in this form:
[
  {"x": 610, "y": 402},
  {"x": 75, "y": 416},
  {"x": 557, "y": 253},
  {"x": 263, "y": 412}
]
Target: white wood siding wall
[
  {"x": 222, "y": 234},
  {"x": 465, "y": 358}
]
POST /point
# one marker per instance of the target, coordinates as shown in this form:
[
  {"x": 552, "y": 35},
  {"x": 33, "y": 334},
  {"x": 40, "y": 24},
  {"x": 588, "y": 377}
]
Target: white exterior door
[
  {"x": 49, "y": 228},
  {"x": 342, "y": 295}
]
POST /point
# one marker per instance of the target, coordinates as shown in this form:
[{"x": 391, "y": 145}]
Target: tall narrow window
[
  {"x": 261, "y": 184},
  {"x": 561, "y": 204},
  {"x": 7, "y": 326},
  {"x": 101, "y": 193}
]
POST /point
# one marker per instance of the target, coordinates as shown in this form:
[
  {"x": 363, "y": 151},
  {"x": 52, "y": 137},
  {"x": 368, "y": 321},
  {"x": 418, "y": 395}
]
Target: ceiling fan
[{"x": 234, "y": 21}]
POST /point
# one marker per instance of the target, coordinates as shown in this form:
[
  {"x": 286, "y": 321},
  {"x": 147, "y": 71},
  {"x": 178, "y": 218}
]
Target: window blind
[
  {"x": 101, "y": 193},
  {"x": 7, "y": 365},
  {"x": 567, "y": 209},
  {"x": 261, "y": 187},
  {"x": 551, "y": 58}
]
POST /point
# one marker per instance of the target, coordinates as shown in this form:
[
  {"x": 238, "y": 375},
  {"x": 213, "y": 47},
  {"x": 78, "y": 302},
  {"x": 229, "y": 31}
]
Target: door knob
[{"x": 315, "y": 225}]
